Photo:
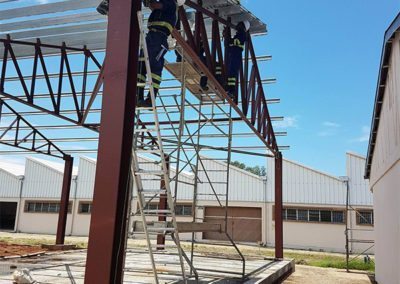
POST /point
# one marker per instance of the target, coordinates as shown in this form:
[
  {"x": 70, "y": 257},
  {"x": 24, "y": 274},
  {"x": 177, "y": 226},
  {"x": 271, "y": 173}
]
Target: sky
[{"x": 325, "y": 57}]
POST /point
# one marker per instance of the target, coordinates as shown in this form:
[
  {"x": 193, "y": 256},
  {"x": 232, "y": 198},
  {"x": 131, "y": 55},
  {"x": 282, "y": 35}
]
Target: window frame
[
  {"x": 309, "y": 210},
  {"x": 89, "y": 203},
  {"x": 358, "y": 217},
  {"x": 49, "y": 204}
]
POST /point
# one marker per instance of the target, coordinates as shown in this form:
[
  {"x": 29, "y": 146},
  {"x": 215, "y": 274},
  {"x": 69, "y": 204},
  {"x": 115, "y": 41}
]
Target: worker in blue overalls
[
  {"x": 234, "y": 60},
  {"x": 161, "y": 22}
]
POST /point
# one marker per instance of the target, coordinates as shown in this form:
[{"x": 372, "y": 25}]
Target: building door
[
  {"x": 244, "y": 223},
  {"x": 8, "y": 213}
]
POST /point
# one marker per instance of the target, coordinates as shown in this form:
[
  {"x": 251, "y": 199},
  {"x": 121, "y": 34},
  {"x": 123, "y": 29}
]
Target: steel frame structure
[{"x": 105, "y": 254}]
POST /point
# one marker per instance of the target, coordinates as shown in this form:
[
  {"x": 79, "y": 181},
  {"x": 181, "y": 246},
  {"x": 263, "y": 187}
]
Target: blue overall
[
  {"x": 236, "y": 46},
  {"x": 161, "y": 23}
]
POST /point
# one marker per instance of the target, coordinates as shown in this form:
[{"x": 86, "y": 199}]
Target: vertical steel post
[
  {"x": 347, "y": 225},
  {"x": 278, "y": 206},
  {"x": 65, "y": 191},
  {"x": 106, "y": 250}
]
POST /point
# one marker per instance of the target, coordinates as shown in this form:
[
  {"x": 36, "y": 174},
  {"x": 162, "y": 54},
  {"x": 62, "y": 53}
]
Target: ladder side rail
[{"x": 160, "y": 145}]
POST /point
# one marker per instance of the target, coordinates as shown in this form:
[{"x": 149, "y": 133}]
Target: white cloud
[
  {"x": 365, "y": 130},
  {"x": 287, "y": 122},
  {"x": 330, "y": 124},
  {"x": 364, "y": 136},
  {"x": 330, "y": 129}
]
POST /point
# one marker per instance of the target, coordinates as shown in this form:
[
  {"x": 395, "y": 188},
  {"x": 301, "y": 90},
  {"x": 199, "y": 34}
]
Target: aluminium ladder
[{"x": 145, "y": 196}]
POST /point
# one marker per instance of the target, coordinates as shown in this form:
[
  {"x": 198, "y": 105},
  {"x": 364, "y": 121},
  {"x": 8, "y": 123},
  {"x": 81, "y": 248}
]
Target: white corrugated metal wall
[
  {"x": 305, "y": 185},
  {"x": 42, "y": 180},
  {"x": 359, "y": 187},
  {"x": 10, "y": 185},
  {"x": 86, "y": 176},
  {"x": 243, "y": 186}
]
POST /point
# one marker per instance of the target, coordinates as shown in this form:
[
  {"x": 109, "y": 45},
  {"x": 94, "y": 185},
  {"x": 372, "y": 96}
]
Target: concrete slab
[{"x": 69, "y": 267}]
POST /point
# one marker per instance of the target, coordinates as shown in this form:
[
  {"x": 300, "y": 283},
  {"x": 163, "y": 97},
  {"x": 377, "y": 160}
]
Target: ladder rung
[
  {"x": 155, "y": 173},
  {"x": 156, "y": 229},
  {"x": 148, "y": 151},
  {"x": 159, "y": 246},
  {"x": 141, "y": 130},
  {"x": 156, "y": 211},
  {"x": 153, "y": 192}
]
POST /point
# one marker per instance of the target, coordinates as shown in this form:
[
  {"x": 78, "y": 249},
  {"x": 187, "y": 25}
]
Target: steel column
[
  {"x": 66, "y": 188},
  {"x": 278, "y": 206},
  {"x": 107, "y": 238}
]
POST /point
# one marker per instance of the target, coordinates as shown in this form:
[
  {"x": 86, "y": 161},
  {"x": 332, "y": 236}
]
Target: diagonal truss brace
[{"x": 21, "y": 134}]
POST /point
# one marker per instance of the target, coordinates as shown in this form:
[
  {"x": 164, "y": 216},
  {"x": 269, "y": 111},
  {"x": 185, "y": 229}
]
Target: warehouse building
[
  {"x": 383, "y": 160},
  {"x": 315, "y": 210}
]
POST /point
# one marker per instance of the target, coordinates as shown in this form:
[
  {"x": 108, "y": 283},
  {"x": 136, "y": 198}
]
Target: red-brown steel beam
[
  {"x": 65, "y": 192},
  {"x": 278, "y": 206},
  {"x": 106, "y": 250}
]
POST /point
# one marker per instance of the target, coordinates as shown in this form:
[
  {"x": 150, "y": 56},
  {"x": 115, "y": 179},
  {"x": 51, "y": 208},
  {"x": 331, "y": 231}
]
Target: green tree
[{"x": 257, "y": 170}]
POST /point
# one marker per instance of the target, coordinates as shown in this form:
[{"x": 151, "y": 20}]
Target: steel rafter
[
  {"x": 19, "y": 133},
  {"x": 80, "y": 101}
]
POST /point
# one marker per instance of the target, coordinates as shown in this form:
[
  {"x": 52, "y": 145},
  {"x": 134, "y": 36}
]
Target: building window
[
  {"x": 365, "y": 217},
  {"x": 338, "y": 217},
  {"x": 183, "y": 210},
  {"x": 85, "y": 208},
  {"x": 313, "y": 215},
  {"x": 180, "y": 209},
  {"x": 44, "y": 207}
]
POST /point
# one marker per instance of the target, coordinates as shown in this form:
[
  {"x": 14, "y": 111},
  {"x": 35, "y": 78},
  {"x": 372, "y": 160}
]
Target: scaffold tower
[{"x": 63, "y": 60}]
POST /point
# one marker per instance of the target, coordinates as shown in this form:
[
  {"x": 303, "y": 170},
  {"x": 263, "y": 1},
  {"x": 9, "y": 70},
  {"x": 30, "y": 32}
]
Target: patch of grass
[{"x": 357, "y": 264}]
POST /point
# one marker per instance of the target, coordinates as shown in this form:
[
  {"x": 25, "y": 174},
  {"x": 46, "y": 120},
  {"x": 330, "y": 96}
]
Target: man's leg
[
  {"x": 157, "y": 47},
  {"x": 141, "y": 77},
  {"x": 233, "y": 71}
]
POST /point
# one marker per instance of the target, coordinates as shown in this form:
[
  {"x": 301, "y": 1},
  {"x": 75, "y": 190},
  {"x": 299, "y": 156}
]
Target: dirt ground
[
  {"x": 317, "y": 275},
  {"x": 11, "y": 250}
]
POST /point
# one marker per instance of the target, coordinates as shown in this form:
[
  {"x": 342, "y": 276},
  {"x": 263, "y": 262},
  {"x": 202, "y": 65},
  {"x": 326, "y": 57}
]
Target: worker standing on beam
[
  {"x": 161, "y": 22},
  {"x": 234, "y": 60}
]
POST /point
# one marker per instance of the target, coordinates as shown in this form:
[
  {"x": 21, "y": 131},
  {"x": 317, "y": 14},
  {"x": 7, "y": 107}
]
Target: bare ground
[
  {"x": 317, "y": 275},
  {"x": 14, "y": 250}
]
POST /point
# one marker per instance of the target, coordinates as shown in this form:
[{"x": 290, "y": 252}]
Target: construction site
[
  {"x": 93, "y": 89},
  {"x": 164, "y": 97}
]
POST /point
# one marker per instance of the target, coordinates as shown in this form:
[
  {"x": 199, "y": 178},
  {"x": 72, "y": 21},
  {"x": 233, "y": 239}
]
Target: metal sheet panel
[
  {"x": 77, "y": 23},
  {"x": 304, "y": 185},
  {"x": 10, "y": 185},
  {"x": 85, "y": 181},
  {"x": 87, "y": 170},
  {"x": 387, "y": 143},
  {"x": 43, "y": 179},
  {"x": 359, "y": 187},
  {"x": 243, "y": 186}
]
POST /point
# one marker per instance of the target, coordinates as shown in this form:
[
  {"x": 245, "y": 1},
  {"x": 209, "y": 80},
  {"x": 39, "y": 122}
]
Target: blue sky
[{"x": 326, "y": 56}]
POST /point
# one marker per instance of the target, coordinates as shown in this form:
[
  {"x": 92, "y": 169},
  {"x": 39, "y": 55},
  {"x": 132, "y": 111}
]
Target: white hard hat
[
  {"x": 246, "y": 25},
  {"x": 180, "y": 2}
]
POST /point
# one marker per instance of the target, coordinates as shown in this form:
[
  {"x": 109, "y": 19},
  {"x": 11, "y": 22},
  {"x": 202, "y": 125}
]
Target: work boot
[
  {"x": 103, "y": 8},
  {"x": 231, "y": 95},
  {"x": 145, "y": 103}
]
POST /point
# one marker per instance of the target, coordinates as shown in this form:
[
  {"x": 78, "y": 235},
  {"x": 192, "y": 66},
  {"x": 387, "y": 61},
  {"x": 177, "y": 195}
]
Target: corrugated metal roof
[
  {"x": 14, "y": 169},
  {"x": 380, "y": 90},
  {"x": 77, "y": 23},
  {"x": 53, "y": 165},
  {"x": 359, "y": 187}
]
